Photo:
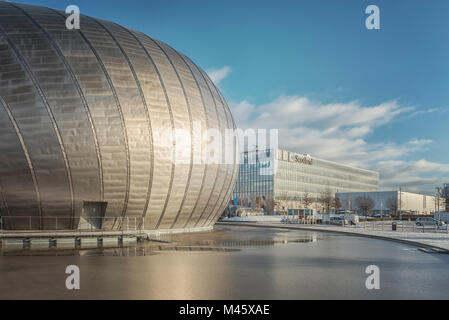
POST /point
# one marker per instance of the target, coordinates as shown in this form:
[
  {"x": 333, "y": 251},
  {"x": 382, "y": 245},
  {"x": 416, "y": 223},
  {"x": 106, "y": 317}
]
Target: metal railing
[
  {"x": 401, "y": 226},
  {"x": 34, "y": 223},
  {"x": 294, "y": 219}
]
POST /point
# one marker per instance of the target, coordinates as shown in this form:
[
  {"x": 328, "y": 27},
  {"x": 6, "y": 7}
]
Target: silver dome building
[{"x": 83, "y": 120}]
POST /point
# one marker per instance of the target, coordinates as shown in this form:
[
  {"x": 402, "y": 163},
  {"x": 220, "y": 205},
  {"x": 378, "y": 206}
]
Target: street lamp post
[
  {"x": 438, "y": 204},
  {"x": 381, "y": 209}
]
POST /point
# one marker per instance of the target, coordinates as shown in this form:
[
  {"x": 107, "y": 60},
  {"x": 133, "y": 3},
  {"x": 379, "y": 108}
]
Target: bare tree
[
  {"x": 307, "y": 200},
  {"x": 365, "y": 204},
  {"x": 393, "y": 205},
  {"x": 439, "y": 202},
  {"x": 326, "y": 199},
  {"x": 446, "y": 197},
  {"x": 270, "y": 204},
  {"x": 336, "y": 203}
]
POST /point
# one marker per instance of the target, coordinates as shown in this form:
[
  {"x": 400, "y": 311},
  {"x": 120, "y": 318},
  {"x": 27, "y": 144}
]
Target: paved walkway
[{"x": 420, "y": 239}]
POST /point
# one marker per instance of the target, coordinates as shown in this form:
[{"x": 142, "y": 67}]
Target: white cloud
[
  {"x": 339, "y": 132},
  {"x": 421, "y": 175},
  {"x": 300, "y": 111},
  {"x": 217, "y": 75},
  {"x": 420, "y": 112},
  {"x": 334, "y": 131}
]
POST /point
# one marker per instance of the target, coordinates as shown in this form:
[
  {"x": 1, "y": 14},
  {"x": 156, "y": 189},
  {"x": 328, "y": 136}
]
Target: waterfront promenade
[{"x": 426, "y": 238}]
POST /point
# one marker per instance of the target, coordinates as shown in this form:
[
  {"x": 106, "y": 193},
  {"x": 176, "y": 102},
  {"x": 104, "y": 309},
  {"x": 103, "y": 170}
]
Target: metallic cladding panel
[
  {"x": 180, "y": 115},
  {"x": 90, "y": 115},
  {"x": 138, "y": 124},
  {"x": 211, "y": 168},
  {"x": 132, "y": 110},
  {"x": 159, "y": 111},
  {"x": 234, "y": 158},
  {"x": 220, "y": 180},
  {"x": 223, "y": 184},
  {"x": 198, "y": 122},
  {"x": 65, "y": 98},
  {"x": 37, "y": 124},
  {"x": 232, "y": 144},
  {"x": 102, "y": 111},
  {"x": 16, "y": 171},
  {"x": 119, "y": 161}
]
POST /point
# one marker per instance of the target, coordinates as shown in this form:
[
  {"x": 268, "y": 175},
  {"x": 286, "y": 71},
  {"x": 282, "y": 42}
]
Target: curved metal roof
[{"x": 84, "y": 116}]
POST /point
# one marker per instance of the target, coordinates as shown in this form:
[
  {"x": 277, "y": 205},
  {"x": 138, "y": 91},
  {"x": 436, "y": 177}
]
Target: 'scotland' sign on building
[{"x": 304, "y": 159}]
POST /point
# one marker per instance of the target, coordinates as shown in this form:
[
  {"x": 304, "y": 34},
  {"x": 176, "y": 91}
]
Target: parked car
[
  {"x": 426, "y": 221},
  {"x": 339, "y": 220},
  {"x": 384, "y": 215}
]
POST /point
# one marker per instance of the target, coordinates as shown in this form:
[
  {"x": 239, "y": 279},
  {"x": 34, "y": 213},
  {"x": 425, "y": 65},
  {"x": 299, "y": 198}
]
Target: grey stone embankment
[{"x": 82, "y": 238}]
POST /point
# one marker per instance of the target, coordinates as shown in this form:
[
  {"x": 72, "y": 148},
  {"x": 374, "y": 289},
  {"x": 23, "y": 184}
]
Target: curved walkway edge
[
  {"x": 440, "y": 244},
  {"x": 17, "y": 234}
]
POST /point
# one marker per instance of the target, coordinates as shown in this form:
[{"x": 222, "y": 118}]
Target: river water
[{"x": 230, "y": 263}]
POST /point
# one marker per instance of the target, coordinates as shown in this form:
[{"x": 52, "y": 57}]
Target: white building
[
  {"x": 279, "y": 180},
  {"x": 391, "y": 201}
]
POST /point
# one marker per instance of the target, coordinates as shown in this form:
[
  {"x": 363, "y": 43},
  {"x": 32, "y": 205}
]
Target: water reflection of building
[{"x": 277, "y": 180}]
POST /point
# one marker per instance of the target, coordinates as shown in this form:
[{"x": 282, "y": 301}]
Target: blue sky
[{"x": 374, "y": 98}]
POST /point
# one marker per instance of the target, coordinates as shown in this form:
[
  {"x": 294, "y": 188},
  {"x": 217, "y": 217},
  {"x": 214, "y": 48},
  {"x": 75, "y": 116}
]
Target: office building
[{"x": 278, "y": 180}]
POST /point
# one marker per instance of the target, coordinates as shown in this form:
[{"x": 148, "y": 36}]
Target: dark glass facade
[{"x": 255, "y": 182}]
